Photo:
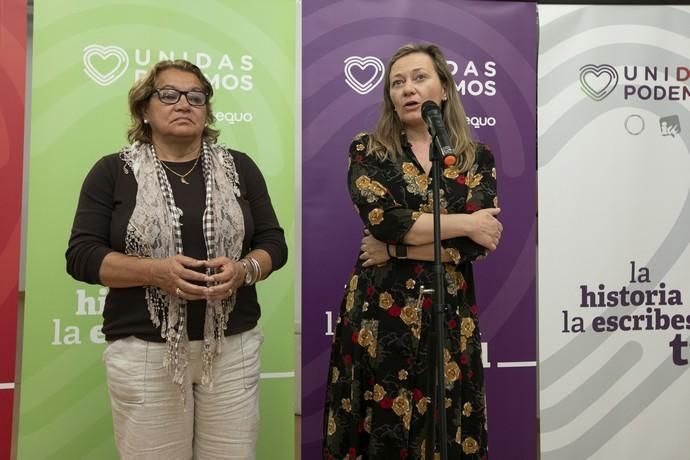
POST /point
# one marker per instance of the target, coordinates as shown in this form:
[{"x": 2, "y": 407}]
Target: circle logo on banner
[
  {"x": 634, "y": 124},
  {"x": 105, "y": 64},
  {"x": 598, "y": 81},
  {"x": 364, "y": 80}
]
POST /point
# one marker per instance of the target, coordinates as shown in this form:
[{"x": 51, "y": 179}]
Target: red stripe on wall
[
  {"x": 13, "y": 16},
  {"x": 6, "y": 399}
]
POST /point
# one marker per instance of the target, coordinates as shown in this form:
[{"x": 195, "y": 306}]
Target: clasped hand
[{"x": 178, "y": 276}]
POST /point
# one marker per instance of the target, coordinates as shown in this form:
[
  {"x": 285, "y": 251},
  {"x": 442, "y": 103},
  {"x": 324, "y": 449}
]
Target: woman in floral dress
[{"x": 377, "y": 403}]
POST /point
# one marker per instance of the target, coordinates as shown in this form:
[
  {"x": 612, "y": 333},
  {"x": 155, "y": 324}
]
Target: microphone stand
[{"x": 437, "y": 376}]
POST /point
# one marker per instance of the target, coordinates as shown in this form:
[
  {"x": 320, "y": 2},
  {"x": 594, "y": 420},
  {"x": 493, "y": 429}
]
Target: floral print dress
[{"x": 376, "y": 401}]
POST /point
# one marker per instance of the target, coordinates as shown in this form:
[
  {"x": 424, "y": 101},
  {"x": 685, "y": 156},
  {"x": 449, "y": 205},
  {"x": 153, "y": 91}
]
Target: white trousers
[{"x": 149, "y": 418}]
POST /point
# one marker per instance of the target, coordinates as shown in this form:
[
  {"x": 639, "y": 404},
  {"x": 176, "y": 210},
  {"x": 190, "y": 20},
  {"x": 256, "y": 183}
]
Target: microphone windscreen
[{"x": 428, "y": 107}]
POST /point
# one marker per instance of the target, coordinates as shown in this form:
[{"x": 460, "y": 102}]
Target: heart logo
[
  {"x": 105, "y": 64},
  {"x": 369, "y": 73},
  {"x": 598, "y": 81}
]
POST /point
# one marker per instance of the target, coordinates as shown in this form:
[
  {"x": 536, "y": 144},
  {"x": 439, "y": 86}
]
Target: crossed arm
[{"x": 467, "y": 235}]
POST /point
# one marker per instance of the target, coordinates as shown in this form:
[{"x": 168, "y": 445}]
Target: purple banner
[{"x": 491, "y": 46}]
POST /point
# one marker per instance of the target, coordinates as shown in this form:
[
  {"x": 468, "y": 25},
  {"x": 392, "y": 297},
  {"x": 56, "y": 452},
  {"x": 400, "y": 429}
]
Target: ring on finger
[
  {"x": 178, "y": 292},
  {"x": 229, "y": 292}
]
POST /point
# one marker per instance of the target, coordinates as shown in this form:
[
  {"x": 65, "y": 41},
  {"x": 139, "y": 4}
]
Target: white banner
[{"x": 614, "y": 227}]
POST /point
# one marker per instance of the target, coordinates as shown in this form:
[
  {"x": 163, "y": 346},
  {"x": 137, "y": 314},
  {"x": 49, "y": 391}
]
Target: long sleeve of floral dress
[{"x": 376, "y": 401}]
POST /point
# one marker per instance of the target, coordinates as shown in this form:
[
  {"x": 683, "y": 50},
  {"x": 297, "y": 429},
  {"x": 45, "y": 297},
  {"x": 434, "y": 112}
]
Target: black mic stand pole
[{"x": 437, "y": 376}]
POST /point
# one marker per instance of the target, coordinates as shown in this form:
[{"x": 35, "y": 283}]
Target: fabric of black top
[{"x": 106, "y": 203}]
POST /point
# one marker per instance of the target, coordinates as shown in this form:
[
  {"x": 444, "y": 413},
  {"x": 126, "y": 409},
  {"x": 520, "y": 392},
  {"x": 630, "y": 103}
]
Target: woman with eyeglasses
[{"x": 180, "y": 229}]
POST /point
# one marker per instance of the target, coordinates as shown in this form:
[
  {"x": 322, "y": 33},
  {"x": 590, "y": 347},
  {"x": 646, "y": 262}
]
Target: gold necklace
[{"x": 181, "y": 176}]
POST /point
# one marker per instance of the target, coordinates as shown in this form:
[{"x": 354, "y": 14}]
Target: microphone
[{"x": 431, "y": 113}]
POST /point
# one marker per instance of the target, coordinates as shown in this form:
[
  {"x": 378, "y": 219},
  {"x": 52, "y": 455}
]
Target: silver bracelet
[
  {"x": 257, "y": 269},
  {"x": 252, "y": 270},
  {"x": 247, "y": 275}
]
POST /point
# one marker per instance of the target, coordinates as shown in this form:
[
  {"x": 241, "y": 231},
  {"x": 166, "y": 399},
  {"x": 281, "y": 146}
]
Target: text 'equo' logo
[
  {"x": 598, "y": 81},
  {"x": 369, "y": 73},
  {"x": 105, "y": 64}
]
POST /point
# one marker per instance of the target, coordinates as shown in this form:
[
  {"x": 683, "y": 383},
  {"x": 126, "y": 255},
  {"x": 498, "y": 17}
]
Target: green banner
[{"x": 86, "y": 57}]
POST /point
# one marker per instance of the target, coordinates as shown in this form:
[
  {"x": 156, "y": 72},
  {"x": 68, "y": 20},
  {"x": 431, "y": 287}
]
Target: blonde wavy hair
[
  {"x": 143, "y": 89},
  {"x": 385, "y": 139}
]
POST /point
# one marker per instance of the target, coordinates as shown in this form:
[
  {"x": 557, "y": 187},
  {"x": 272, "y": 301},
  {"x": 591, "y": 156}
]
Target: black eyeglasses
[{"x": 172, "y": 96}]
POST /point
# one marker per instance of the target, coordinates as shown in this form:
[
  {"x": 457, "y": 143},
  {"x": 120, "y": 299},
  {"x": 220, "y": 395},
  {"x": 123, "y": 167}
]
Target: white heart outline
[
  {"x": 597, "y": 71},
  {"x": 105, "y": 52},
  {"x": 363, "y": 63}
]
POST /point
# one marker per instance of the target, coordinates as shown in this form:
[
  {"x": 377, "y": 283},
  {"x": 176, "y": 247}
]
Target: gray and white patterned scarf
[{"x": 154, "y": 231}]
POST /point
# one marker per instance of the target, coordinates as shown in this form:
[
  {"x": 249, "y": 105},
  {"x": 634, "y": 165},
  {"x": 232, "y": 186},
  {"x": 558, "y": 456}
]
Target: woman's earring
[
  {"x": 445, "y": 98},
  {"x": 146, "y": 122}
]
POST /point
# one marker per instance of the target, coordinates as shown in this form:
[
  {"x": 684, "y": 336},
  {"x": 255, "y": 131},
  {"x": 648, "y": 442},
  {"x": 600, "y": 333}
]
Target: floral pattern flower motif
[
  {"x": 371, "y": 190},
  {"x": 422, "y": 183},
  {"x": 467, "y": 409},
  {"x": 470, "y": 446},
  {"x": 467, "y": 327},
  {"x": 417, "y": 182},
  {"x": 428, "y": 207},
  {"x": 350, "y": 302},
  {"x": 353, "y": 282},
  {"x": 367, "y": 336},
  {"x": 473, "y": 178},
  {"x": 346, "y": 404},
  {"x": 385, "y": 300},
  {"x": 452, "y": 285},
  {"x": 409, "y": 169},
  {"x": 401, "y": 405},
  {"x": 409, "y": 315},
  {"x": 454, "y": 255},
  {"x": 379, "y": 392},
  {"x": 452, "y": 372},
  {"x": 451, "y": 172},
  {"x": 376, "y": 216}
]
